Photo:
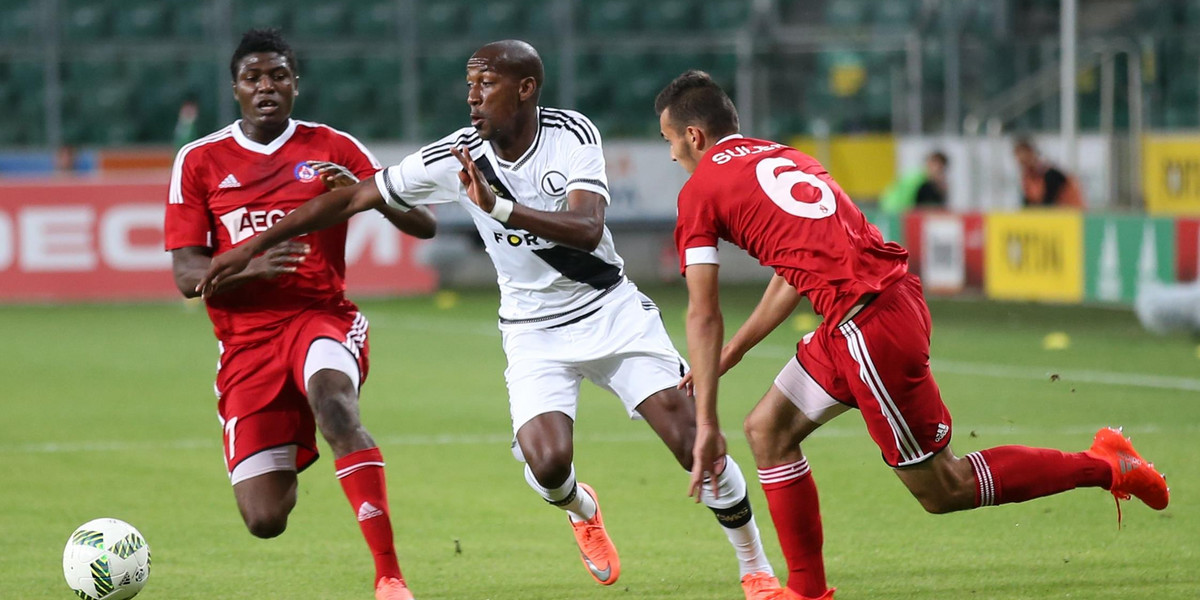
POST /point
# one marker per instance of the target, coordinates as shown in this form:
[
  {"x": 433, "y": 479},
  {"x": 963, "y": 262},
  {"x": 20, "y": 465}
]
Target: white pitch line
[
  {"x": 763, "y": 352},
  {"x": 782, "y": 353},
  {"x": 636, "y": 435},
  {"x": 448, "y": 439},
  {"x": 958, "y": 367}
]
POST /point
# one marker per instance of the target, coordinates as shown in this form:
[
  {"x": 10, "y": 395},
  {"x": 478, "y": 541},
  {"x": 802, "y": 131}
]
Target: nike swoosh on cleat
[{"x": 597, "y": 573}]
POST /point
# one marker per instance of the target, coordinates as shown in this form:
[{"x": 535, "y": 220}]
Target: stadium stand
[{"x": 848, "y": 86}]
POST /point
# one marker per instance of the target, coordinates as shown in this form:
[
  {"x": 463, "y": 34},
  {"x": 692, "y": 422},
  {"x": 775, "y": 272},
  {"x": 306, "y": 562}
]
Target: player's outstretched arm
[
  {"x": 328, "y": 209},
  {"x": 418, "y": 222},
  {"x": 581, "y": 226},
  {"x": 705, "y": 331},
  {"x": 777, "y": 304}
]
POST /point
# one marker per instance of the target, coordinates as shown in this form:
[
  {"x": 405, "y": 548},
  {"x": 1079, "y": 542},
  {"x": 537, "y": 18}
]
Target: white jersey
[{"x": 542, "y": 284}]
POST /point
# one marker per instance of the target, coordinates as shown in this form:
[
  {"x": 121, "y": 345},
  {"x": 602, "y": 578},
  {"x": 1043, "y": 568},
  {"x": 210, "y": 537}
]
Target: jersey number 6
[{"x": 779, "y": 189}]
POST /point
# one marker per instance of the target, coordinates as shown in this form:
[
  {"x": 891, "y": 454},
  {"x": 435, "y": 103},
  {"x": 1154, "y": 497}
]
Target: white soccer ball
[{"x": 106, "y": 559}]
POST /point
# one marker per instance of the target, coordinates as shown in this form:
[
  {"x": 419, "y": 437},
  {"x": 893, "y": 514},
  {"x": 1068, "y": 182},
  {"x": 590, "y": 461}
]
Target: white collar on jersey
[
  {"x": 732, "y": 136},
  {"x": 254, "y": 146},
  {"x": 537, "y": 138}
]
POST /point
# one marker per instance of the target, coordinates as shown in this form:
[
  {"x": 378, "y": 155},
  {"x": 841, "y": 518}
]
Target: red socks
[
  {"x": 792, "y": 498},
  {"x": 1005, "y": 474},
  {"x": 361, "y": 476},
  {"x": 1019, "y": 473}
]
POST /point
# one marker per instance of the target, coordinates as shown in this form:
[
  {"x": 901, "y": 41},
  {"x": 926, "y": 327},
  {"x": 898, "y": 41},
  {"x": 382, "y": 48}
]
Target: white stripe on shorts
[
  {"x": 357, "y": 335},
  {"x": 906, "y": 442}
]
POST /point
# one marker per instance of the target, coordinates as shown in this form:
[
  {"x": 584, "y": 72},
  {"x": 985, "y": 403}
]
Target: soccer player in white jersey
[{"x": 533, "y": 179}]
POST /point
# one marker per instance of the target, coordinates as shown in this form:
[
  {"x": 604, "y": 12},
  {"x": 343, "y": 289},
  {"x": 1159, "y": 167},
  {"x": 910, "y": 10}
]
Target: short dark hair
[
  {"x": 1024, "y": 143},
  {"x": 262, "y": 40},
  {"x": 695, "y": 99},
  {"x": 940, "y": 156}
]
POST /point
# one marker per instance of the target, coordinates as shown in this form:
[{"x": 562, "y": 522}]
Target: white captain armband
[
  {"x": 703, "y": 255},
  {"x": 502, "y": 210}
]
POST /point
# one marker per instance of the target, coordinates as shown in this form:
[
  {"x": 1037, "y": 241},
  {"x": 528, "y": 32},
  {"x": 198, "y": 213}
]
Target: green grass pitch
[{"x": 108, "y": 411}]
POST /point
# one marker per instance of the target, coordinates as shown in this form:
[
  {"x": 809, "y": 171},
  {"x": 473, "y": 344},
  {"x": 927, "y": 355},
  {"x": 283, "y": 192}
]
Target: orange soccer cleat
[
  {"x": 392, "y": 588},
  {"x": 761, "y": 586},
  {"x": 1131, "y": 474},
  {"x": 791, "y": 595},
  {"x": 595, "y": 548}
]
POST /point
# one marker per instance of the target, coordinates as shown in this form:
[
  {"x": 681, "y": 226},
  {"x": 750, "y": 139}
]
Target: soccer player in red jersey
[
  {"x": 533, "y": 180},
  {"x": 293, "y": 349},
  {"x": 871, "y": 352}
]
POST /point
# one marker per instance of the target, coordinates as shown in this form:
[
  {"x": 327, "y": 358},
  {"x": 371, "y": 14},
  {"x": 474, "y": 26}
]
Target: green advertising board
[
  {"x": 889, "y": 225},
  {"x": 1122, "y": 251}
]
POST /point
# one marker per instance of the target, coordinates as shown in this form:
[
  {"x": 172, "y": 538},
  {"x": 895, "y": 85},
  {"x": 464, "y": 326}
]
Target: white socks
[
  {"x": 732, "y": 508},
  {"x": 578, "y": 504}
]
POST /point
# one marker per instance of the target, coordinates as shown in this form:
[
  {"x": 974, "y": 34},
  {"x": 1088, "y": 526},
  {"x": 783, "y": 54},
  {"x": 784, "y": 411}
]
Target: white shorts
[
  {"x": 622, "y": 348},
  {"x": 807, "y": 394}
]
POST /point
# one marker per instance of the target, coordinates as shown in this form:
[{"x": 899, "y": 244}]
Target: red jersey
[
  {"x": 227, "y": 188},
  {"x": 782, "y": 207}
]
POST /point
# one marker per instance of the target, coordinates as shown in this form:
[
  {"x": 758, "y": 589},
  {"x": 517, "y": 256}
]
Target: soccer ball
[{"x": 106, "y": 559}]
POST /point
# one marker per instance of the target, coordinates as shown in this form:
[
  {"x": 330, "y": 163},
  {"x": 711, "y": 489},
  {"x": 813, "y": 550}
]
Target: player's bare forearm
[
  {"x": 778, "y": 302},
  {"x": 704, "y": 335},
  {"x": 328, "y": 209},
  {"x": 190, "y": 264},
  {"x": 705, "y": 332},
  {"x": 418, "y": 222},
  {"x": 580, "y": 226}
]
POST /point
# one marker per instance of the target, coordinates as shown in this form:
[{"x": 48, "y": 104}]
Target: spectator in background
[
  {"x": 1043, "y": 184},
  {"x": 932, "y": 193},
  {"x": 185, "y": 125},
  {"x": 64, "y": 159},
  {"x": 919, "y": 188}
]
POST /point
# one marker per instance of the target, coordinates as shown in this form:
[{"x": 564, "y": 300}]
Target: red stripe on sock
[{"x": 366, "y": 488}]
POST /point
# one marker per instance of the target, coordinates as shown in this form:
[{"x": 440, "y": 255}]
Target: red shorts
[
  {"x": 261, "y": 389},
  {"x": 878, "y": 362}
]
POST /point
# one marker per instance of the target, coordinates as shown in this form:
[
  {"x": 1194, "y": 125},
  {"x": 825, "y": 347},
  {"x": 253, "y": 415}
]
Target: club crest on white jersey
[{"x": 542, "y": 283}]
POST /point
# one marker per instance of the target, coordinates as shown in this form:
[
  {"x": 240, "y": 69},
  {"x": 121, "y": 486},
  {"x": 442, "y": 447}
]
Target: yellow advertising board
[
  {"x": 1171, "y": 174},
  {"x": 1034, "y": 255},
  {"x": 844, "y": 156}
]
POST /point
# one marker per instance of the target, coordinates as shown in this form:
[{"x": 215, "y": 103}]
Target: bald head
[{"x": 510, "y": 58}]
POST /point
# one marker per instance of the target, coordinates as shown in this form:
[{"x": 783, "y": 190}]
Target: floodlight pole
[
  {"x": 52, "y": 73},
  {"x": 1068, "y": 100}
]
